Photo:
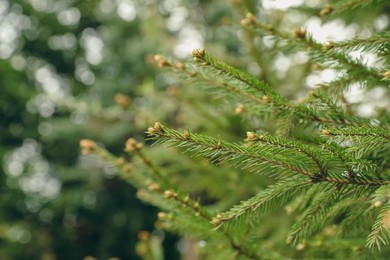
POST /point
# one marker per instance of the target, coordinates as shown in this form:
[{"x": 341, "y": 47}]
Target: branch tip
[
  {"x": 327, "y": 9},
  {"x": 156, "y": 128},
  {"x": 161, "y": 62},
  {"x": 325, "y": 132},
  {"x": 132, "y": 145},
  {"x": 328, "y": 45},
  {"x": 198, "y": 54},
  {"x": 386, "y": 75},
  {"x": 87, "y": 146},
  {"x": 250, "y": 136},
  {"x": 299, "y": 33}
]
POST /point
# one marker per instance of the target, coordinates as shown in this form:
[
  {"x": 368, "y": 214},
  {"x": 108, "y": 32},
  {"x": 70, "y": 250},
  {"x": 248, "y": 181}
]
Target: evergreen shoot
[{"x": 307, "y": 175}]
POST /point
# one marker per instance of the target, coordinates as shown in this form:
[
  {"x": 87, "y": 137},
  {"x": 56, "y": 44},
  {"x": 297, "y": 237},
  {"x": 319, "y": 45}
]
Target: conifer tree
[{"x": 310, "y": 178}]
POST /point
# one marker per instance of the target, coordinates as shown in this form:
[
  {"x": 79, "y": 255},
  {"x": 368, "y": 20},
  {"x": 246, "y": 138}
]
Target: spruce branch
[
  {"x": 287, "y": 146},
  {"x": 377, "y": 43},
  {"x": 335, "y": 176},
  {"x": 319, "y": 52},
  {"x": 187, "y": 211},
  {"x": 380, "y": 233},
  {"x": 134, "y": 147},
  {"x": 256, "y": 102},
  {"x": 259, "y": 98},
  {"x": 331, "y": 147},
  {"x": 263, "y": 161},
  {"x": 363, "y": 140},
  {"x": 336, "y": 87},
  {"x": 144, "y": 180},
  {"x": 325, "y": 204},
  {"x": 150, "y": 183},
  {"x": 381, "y": 132},
  {"x": 323, "y": 107},
  {"x": 202, "y": 57},
  {"x": 347, "y": 6},
  {"x": 223, "y": 84},
  {"x": 329, "y": 103},
  {"x": 314, "y": 215},
  {"x": 263, "y": 95},
  {"x": 265, "y": 201}
]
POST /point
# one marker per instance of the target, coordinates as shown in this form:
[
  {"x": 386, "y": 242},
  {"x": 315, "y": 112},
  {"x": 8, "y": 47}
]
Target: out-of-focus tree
[{"x": 71, "y": 70}]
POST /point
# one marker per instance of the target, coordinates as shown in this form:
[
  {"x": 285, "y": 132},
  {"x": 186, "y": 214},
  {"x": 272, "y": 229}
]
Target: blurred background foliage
[
  {"x": 72, "y": 69},
  {"x": 82, "y": 69}
]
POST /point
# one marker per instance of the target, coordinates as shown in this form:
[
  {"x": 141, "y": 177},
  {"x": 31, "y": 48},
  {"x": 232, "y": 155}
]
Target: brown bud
[
  {"x": 216, "y": 220},
  {"x": 328, "y": 45},
  {"x": 122, "y": 100},
  {"x": 131, "y": 145},
  {"x": 170, "y": 194},
  {"x": 143, "y": 235},
  {"x": 244, "y": 22},
  {"x": 386, "y": 75},
  {"x": 87, "y": 146},
  {"x": 326, "y": 10},
  {"x": 325, "y": 132},
  {"x": 186, "y": 134},
  {"x": 250, "y": 136},
  {"x": 154, "y": 187},
  {"x": 198, "y": 54},
  {"x": 299, "y": 33},
  {"x": 161, "y": 62},
  {"x": 161, "y": 215},
  {"x": 150, "y": 130},
  {"x": 120, "y": 161},
  {"x": 251, "y": 18},
  {"x": 196, "y": 205},
  {"x": 157, "y": 126},
  {"x": 300, "y": 246},
  {"x": 180, "y": 66},
  {"x": 240, "y": 108},
  {"x": 157, "y": 57}
]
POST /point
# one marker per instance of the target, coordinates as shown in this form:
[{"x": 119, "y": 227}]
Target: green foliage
[
  {"x": 312, "y": 170},
  {"x": 315, "y": 154}
]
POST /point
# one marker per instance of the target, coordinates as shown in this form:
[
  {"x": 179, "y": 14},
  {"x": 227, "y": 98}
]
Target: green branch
[
  {"x": 263, "y": 202},
  {"x": 201, "y": 57},
  {"x": 314, "y": 213},
  {"x": 348, "y": 6},
  {"x": 288, "y": 146},
  {"x": 380, "y": 132},
  {"x": 380, "y": 233},
  {"x": 377, "y": 43},
  {"x": 319, "y": 51},
  {"x": 251, "y": 159}
]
